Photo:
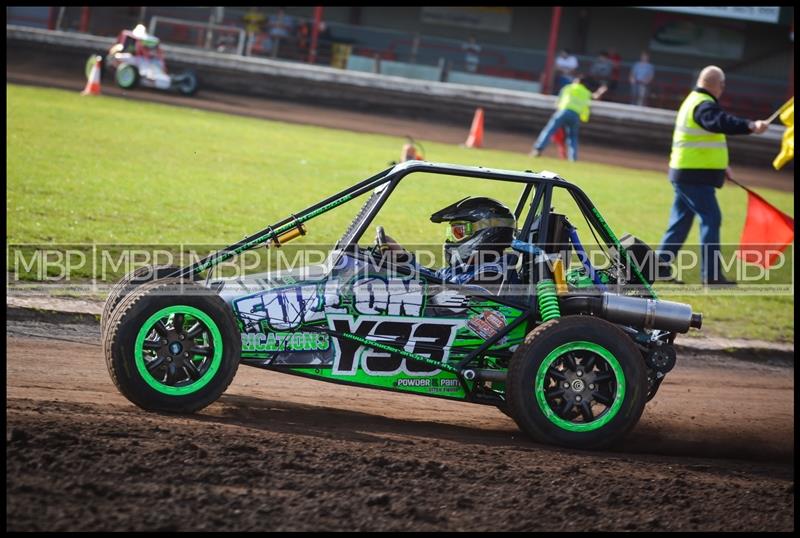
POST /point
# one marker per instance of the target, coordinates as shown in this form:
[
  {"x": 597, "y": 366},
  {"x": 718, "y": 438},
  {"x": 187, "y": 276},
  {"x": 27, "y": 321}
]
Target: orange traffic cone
[
  {"x": 93, "y": 84},
  {"x": 409, "y": 151},
  {"x": 475, "y": 138}
]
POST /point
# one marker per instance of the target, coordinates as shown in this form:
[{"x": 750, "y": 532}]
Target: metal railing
[
  {"x": 498, "y": 66},
  {"x": 197, "y": 34},
  {"x": 753, "y": 97}
]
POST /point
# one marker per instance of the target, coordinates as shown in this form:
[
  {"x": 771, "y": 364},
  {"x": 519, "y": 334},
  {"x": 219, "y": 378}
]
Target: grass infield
[{"x": 110, "y": 170}]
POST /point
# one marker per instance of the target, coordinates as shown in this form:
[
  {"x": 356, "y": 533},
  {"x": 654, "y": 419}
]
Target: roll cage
[
  {"x": 128, "y": 41},
  {"x": 537, "y": 191},
  {"x": 536, "y": 224}
]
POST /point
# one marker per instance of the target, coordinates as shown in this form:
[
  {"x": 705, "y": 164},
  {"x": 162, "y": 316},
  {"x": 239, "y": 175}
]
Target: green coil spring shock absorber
[{"x": 548, "y": 300}]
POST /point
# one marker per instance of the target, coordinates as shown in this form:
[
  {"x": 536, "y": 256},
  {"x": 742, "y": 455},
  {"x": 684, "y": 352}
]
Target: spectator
[
  {"x": 642, "y": 74},
  {"x": 698, "y": 164},
  {"x": 305, "y": 31},
  {"x": 616, "y": 60},
  {"x": 572, "y": 108},
  {"x": 472, "y": 52},
  {"x": 566, "y": 66},
  {"x": 601, "y": 69},
  {"x": 303, "y": 37},
  {"x": 253, "y": 22},
  {"x": 281, "y": 27},
  {"x": 324, "y": 43}
]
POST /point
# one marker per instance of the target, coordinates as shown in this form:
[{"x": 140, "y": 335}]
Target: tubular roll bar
[
  {"x": 544, "y": 183},
  {"x": 272, "y": 231},
  {"x": 398, "y": 172}
]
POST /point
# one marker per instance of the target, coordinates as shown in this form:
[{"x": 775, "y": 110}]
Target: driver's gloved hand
[
  {"x": 391, "y": 244},
  {"x": 400, "y": 257}
]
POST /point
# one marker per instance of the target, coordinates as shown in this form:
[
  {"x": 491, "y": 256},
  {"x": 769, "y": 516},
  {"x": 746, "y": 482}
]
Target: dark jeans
[
  {"x": 690, "y": 200},
  {"x": 570, "y": 121}
]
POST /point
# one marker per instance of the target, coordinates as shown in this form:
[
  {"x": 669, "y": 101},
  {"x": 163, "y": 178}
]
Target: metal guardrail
[{"x": 627, "y": 124}]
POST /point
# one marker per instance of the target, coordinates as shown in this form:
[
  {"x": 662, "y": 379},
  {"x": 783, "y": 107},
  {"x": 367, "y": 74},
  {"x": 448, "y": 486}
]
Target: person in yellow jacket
[
  {"x": 254, "y": 21},
  {"x": 571, "y": 109},
  {"x": 698, "y": 164}
]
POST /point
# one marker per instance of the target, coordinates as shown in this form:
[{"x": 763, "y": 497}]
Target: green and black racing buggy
[{"x": 572, "y": 352}]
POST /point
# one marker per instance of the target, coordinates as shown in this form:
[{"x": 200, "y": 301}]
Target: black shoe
[{"x": 721, "y": 281}]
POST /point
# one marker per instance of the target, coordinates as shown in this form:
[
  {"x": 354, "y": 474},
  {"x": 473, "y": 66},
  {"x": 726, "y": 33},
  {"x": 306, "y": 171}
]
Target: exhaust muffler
[{"x": 649, "y": 313}]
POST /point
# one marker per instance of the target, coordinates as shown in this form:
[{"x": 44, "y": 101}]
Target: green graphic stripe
[
  {"x": 401, "y": 352},
  {"x": 272, "y": 234},
  {"x": 216, "y": 342},
  {"x": 622, "y": 249},
  {"x": 257, "y": 354},
  {"x": 443, "y": 384},
  {"x": 607, "y": 415},
  {"x": 465, "y": 346}
]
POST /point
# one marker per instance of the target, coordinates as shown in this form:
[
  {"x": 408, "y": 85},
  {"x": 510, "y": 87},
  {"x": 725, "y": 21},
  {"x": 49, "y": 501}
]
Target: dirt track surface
[
  {"x": 31, "y": 69},
  {"x": 713, "y": 451}
]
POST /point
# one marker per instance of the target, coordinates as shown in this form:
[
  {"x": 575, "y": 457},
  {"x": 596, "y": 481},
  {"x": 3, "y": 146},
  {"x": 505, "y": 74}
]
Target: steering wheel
[
  {"x": 392, "y": 254},
  {"x": 381, "y": 249},
  {"x": 380, "y": 239}
]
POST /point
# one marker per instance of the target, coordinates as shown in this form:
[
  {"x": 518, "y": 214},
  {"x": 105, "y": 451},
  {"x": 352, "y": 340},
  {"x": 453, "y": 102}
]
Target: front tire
[
  {"x": 127, "y": 76},
  {"x": 130, "y": 282},
  {"x": 578, "y": 382},
  {"x": 172, "y": 346}
]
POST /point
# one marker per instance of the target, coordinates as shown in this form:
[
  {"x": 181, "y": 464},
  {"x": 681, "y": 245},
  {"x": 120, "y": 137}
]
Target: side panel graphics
[{"x": 287, "y": 327}]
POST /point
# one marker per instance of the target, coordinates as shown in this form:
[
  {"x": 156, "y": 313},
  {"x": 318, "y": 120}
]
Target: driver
[{"x": 479, "y": 230}]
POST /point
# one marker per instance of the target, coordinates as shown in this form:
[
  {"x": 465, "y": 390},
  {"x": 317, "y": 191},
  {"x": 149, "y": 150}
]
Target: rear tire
[
  {"x": 188, "y": 84},
  {"x": 578, "y": 382},
  {"x": 172, "y": 346},
  {"x": 127, "y": 76}
]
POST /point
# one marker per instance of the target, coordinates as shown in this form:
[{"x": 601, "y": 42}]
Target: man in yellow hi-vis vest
[
  {"x": 571, "y": 109},
  {"x": 698, "y": 165}
]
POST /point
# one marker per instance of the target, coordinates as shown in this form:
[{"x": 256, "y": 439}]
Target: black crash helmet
[{"x": 475, "y": 225}]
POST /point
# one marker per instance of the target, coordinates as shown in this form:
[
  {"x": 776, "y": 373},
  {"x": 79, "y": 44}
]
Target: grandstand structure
[{"x": 754, "y": 45}]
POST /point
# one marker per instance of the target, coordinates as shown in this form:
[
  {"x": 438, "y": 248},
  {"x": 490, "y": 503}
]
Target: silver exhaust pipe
[{"x": 650, "y": 314}]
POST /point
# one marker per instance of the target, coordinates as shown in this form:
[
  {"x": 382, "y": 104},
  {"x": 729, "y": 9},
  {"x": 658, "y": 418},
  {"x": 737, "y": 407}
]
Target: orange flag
[{"x": 767, "y": 232}]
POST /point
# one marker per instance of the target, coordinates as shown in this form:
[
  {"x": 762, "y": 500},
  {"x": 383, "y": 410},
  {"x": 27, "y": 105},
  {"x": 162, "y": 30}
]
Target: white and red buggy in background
[{"x": 136, "y": 58}]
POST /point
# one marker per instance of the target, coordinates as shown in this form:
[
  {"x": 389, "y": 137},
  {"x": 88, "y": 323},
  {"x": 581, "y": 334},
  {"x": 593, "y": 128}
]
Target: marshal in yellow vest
[
  {"x": 575, "y": 97},
  {"x": 693, "y": 146}
]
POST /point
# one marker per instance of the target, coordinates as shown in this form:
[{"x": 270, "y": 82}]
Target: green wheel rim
[
  {"x": 606, "y": 415},
  {"x": 210, "y": 362},
  {"x": 125, "y": 76}
]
